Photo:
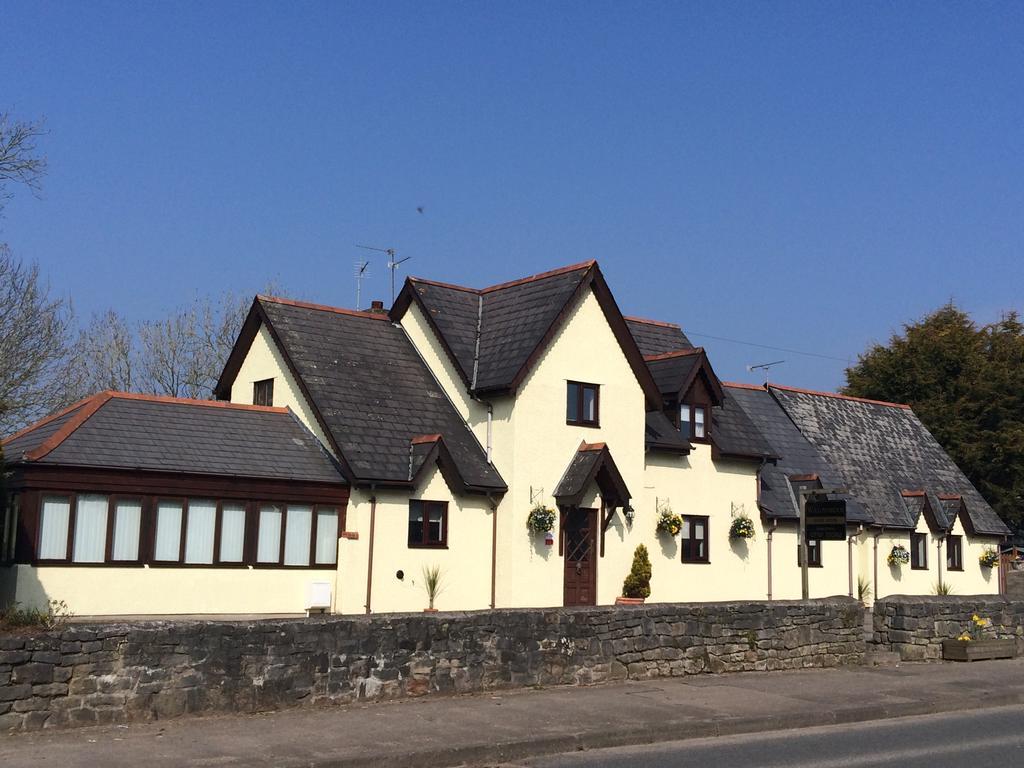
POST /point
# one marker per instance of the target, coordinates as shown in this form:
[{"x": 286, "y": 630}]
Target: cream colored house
[{"x": 353, "y": 451}]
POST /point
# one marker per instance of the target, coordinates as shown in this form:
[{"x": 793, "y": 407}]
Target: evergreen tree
[
  {"x": 638, "y": 582},
  {"x": 966, "y": 384}
]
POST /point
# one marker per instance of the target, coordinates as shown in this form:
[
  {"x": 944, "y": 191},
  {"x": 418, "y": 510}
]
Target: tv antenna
[
  {"x": 362, "y": 270},
  {"x": 765, "y": 367},
  {"x": 392, "y": 263}
]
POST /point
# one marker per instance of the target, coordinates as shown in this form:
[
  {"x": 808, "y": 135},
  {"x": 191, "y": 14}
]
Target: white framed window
[
  {"x": 232, "y": 533},
  {"x": 298, "y": 529},
  {"x": 268, "y": 543},
  {"x": 199, "y": 531},
  {"x": 53, "y": 533},
  {"x": 326, "y": 536},
  {"x": 168, "y": 531}
]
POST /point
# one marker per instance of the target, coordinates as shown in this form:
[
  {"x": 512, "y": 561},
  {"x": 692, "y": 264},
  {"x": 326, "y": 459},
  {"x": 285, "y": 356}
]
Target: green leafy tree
[
  {"x": 966, "y": 384},
  {"x": 638, "y": 582}
]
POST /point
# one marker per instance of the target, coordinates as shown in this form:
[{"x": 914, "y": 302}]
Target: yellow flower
[{"x": 974, "y": 618}]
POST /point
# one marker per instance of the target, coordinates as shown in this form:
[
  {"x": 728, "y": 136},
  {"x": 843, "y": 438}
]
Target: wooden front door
[{"x": 580, "y": 549}]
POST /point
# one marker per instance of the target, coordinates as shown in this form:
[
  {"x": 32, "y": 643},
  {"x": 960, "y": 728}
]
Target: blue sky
[{"x": 803, "y": 175}]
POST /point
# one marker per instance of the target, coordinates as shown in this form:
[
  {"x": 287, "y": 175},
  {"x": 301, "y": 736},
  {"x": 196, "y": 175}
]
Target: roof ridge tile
[
  {"x": 324, "y": 307},
  {"x": 839, "y": 396}
]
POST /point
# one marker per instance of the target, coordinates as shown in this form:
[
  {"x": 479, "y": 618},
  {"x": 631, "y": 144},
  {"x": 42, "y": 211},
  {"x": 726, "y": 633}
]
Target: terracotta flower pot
[
  {"x": 430, "y": 610},
  {"x": 629, "y": 601}
]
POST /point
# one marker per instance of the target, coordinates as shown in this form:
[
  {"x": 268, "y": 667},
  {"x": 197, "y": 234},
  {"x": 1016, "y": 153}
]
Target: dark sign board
[{"x": 825, "y": 520}]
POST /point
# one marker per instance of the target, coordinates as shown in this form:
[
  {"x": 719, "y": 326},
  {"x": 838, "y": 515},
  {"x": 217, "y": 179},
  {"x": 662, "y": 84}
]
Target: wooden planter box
[{"x": 978, "y": 650}]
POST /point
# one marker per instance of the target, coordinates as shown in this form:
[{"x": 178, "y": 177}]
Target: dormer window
[
  {"x": 693, "y": 421},
  {"x": 581, "y": 404}
]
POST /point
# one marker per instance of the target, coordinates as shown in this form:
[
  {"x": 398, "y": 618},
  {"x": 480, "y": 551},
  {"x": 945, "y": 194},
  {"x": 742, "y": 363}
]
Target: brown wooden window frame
[
  {"x": 146, "y": 554},
  {"x": 956, "y": 564},
  {"x": 426, "y": 543},
  {"x": 313, "y": 525},
  {"x": 691, "y": 433},
  {"x": 579, "y": 421},
  {"x": 915, "y": 561},
  {"x": 813, "y": 554},
  {"x": 263, "y": 392},
  {"x": 691, "y": 542},
  {"x": 9, "y": 529}
]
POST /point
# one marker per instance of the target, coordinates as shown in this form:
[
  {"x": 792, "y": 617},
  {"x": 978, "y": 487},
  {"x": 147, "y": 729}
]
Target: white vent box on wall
[{"x": 318, "y": 596}]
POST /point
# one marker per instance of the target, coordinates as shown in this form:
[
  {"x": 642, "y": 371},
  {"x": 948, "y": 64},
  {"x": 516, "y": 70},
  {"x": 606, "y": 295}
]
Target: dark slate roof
[
  {"x": 796, "y": 456},
  {"x": 36, "y": 434},
  {"x": 657, "y": 338},
  {"x": 734, "y": 434},
  {"x": 513, "y": 319},
  {"x": 373, "y": 392},
  {"x": 670, "y": 373},
  {"x": 493, "y": 335},
  {"x": 660, "y": 434},
  {"x": 880, "y": 450},
  {"x": 592, "y": 462},
  {"x": 118, "y": 431}
]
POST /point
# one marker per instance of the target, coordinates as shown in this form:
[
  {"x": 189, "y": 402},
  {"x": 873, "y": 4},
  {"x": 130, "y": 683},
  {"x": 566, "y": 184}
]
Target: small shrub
[
  {"x": 942, "y": 588},
  {"x": 638, "y": 582},
  {"x": 863, "y": 589},
  {"x": 54, "y": 615}
]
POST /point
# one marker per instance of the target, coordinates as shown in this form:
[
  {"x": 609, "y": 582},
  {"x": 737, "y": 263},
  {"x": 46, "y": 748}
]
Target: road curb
[{"x": 681, "y": 730}]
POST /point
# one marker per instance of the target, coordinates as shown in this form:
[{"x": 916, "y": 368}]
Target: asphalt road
[{"x": 983, "y": 737}]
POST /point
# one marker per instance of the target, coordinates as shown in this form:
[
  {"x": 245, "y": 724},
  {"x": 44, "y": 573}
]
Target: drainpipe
[
  {"x": 771, "y": 530},
  {"x": 494, "y": 549},
  {"x": 875, "y": 588},
  {"x": 369, "y": 559},
  {"x": 849, "y": 560},
  {"x": 490, "y": 419}
]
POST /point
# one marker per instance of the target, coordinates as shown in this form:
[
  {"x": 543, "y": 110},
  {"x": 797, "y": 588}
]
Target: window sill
[
  {"x": 588, "y": 424},
  {"x": 696, "y": 562},
  {"x": 955, "y": 570},
  {"x": 427, "y": 546},
  {"x": 919, "y": 567}
]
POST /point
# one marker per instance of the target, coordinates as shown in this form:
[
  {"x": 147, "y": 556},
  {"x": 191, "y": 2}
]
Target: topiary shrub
[{"x": 638, "y": 582}]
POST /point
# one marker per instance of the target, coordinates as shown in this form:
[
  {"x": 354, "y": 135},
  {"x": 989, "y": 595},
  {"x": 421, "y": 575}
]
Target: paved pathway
[{"x": 511, "y": 726}]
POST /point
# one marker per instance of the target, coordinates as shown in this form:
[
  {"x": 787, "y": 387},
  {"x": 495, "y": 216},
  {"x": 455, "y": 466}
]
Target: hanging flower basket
[
  {"x": 989, "y": 558},
  {"x": 541, "y": 519},
  {"x": 742, "y": 528},
  {"x": 669, "y": 522},
  {"x": 899, "y": 555}
]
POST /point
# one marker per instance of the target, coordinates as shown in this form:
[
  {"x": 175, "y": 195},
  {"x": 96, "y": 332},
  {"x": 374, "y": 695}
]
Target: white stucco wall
[
  {"x": 264, "y": 361},
  {"x": 106, "y": 591}
]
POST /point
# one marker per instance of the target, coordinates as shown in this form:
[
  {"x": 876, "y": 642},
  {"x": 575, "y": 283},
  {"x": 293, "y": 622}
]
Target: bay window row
[{"x": 92, "y": 528}]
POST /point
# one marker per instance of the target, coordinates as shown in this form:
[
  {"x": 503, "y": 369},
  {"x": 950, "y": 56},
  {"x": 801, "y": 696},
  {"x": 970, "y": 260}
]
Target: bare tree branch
[{"x": 19, "y": 161}]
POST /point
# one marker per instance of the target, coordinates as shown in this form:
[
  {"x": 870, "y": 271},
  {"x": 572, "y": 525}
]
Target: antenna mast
[
  {"x": 362, "y": 268},
  {"x": 765, "y": 367},
  {"x": 392, "y": 263}
]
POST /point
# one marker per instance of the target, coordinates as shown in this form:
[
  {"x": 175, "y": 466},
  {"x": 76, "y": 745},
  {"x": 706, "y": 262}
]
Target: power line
[{"x": 846, "y": 360}]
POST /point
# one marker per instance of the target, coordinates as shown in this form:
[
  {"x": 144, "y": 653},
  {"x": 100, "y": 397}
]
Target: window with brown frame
[
  {"x": 263, "y": 392},
  {"x": 694, "y": 539},
  {"x": 96, "y": 529},
  {"x": 693, "y": 421},
  {"x": 813, "y": 554},
  {"x": 8, "y": 526},
  {"x": 954, "y": 553},
  {"x": 428, "y": 523},
  {"x": 582, "y": 404},
  {"x": 919, "y": 551}
]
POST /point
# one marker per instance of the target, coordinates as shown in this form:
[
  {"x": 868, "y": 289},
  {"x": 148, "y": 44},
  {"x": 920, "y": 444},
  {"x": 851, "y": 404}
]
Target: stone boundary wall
[
  {"x": 915, "y": 626},
  {"x": 88, "y": 674}
]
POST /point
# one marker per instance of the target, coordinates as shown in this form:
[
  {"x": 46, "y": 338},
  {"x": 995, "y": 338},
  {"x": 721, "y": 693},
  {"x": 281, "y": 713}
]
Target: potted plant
[
  {"x": 863, "y": 589},
  {"x": 669, "y": 522},
  {"x": 989, "y": 558},
  {"x": 742, "y": 527},
  {"x": 972, "y": 645},
  {"x": 637, "y": 586},
  {"x": 899, "y": 555},
  {"x": 432, "y": 584},
  {"x": 541, "y": 519}
]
